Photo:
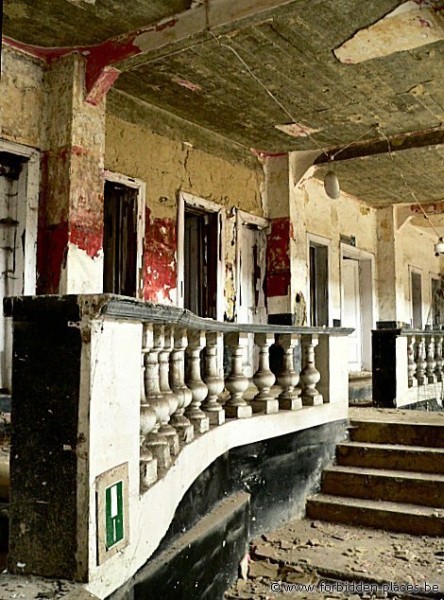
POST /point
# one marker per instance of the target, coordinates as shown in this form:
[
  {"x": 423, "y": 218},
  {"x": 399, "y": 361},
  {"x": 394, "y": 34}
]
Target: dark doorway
[
  {"x": 416, "y": 300},
  {"x": 318, "y": 285},
  {"x": 201, "y": 251},
  {"x": 120, "y": 239}
]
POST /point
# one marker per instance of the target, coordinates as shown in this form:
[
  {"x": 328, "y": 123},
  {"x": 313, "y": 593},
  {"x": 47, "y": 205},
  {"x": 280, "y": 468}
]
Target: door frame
[
  {"x": 245, "y": 218},
  {"x": 184, "y": 200},
  {"x": 31, "y": 194},
  {"x": 313, "y": 238},
  {"x": 420, "y": 272},
  {"x": 367, "y": 297},
  {"x": 140, "y": 186}
]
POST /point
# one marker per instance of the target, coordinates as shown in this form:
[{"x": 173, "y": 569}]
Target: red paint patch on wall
[
  {"x": 278, "y": 258},
  {"x": 52, "y": 244},
  {"x": 159, "y": 259},
  {"x": 88, "y": 239}
]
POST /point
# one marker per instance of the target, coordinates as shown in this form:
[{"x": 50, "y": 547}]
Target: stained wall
[{"x": 169, "y": 167}]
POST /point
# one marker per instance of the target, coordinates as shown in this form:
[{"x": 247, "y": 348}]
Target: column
[
  {"x": 156, "y": 442},
  {"x": 199, "y": 391},
  {"x": 288, "y": 379},
  {"x": 71, "y": 206},
  {"x": 236, "y": 383},
  {"x": 177, "y": 381},
  {"x": 165, "y": 335},
  {"x": 309, "y": 374},
  {"x": 215, "y": 383},
  {"x": 263, "y": 379}
]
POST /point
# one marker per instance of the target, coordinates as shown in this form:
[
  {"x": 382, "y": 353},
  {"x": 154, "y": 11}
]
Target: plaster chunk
[{"x": 420, "y": 22}]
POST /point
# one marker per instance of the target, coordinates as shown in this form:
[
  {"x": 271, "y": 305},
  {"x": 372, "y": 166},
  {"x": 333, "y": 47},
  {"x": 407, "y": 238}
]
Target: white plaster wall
[
  {"x": 415, "y": 248},
  {"x": 312, "y": 212},
  {"x": 110, "y": 401},
  {"x": 109, "y": 420}
]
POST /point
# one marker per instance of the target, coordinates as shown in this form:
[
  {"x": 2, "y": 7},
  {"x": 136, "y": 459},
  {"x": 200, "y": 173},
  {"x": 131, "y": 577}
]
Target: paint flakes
[
  {"x": 296, "y": 129},
  {"x": 419, "y": 22},
  {"x": 193, "y": 87}
]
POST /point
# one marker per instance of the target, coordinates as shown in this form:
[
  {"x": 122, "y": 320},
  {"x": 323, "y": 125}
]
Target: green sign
[{"x": 114, "y": 514}]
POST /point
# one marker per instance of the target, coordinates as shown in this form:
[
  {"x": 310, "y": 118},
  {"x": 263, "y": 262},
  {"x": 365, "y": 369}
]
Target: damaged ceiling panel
[
  {"x": 306, "y": 75},
  {"x": 414, "y": 24},
  {"x": 81, "y": 22}
]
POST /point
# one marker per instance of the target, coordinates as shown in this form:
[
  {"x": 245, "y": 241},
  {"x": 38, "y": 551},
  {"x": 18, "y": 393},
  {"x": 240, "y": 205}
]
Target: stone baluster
[
  {"x": 309, "y": 374},
  {"x": 263, "y": 379},
  {"x": 165, "y": 336},
  {"x": 177, "y": 381},
  {"x": 199, "y": 391},
  {"x": 236, "y": 383},
  {"x": 148, "y": 464},
  {"x": 420, "y": 360},
  {"x": 438, "y": 358},
  {"x": 430, "y": 359},
  {"x": 288, "y": 379},
  {"x": 215, "y": 383},
  {"x": 411, "y": 364},
  {"x": 156, "y": 442}
]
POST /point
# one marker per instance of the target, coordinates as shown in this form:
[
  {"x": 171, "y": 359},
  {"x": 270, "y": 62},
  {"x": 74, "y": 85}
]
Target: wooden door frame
[
  {"x": 420, "y": 272},
  {"x": 245, "y": 218},
  {"x": 367, "y": 297},
  {"x": 313, "y": 238},
  {"x": 140, "y": 186},
  {"x": 184, "y": 200},
  {"x": 31, "y": 193}
]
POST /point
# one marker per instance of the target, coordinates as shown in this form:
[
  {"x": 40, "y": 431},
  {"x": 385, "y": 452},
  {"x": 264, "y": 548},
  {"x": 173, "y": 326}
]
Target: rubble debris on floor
[{"x": 316, "y": 560}]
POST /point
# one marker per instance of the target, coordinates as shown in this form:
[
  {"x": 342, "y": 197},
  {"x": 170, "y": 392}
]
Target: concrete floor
[
  {"x": 306, "y": 552},
  {"x": 284, "y": 563}
]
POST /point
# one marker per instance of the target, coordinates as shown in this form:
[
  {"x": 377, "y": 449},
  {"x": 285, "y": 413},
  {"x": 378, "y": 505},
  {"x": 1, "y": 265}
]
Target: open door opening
[
  {"x": 416, "y": 283},
  {"x": 201, "y": 243},
  {"x": 120, "y": 239},
  {"x": 318, "y": 284}
]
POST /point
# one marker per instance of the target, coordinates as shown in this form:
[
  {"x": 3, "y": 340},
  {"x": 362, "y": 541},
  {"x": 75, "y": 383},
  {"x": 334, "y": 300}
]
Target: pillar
[{"x": 70, "y": 255}]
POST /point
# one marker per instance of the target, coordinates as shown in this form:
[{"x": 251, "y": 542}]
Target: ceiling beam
[
  {"x": 395, "y": 143},
  {"x": 131, "y": 49}
]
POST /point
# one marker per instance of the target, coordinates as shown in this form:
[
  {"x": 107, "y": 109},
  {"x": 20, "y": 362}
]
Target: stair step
[
  {"x": 391, "y": 456},
  {"x": 378, "y": 484},
  {"x": 410, "y": 434},
  {"x": 390, "y": 516}
]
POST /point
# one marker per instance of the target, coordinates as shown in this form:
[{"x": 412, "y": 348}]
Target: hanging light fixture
[
  {"x": 439, "y": 247},
  {"x": 331, "y": 185}
]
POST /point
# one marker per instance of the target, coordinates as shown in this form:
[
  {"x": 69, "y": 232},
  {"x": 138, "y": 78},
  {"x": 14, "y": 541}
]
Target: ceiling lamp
[
  {"x": 439, "y": 247},
  {"x": 331, "y": 186}
]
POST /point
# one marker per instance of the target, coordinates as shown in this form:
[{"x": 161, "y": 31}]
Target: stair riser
[
  {"x": 374, "y": 487},
  {"x": 397, "y": 460},
  {"x": 380, "y": 519},
  {"x": 430, "y": 436}
]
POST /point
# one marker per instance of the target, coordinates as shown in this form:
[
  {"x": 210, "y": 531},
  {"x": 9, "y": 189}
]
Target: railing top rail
[
  {"x": 122, "y": 307},
  {"x": 405, "y": 331}
]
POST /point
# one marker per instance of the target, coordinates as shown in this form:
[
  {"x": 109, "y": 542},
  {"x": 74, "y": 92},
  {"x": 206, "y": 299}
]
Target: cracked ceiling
[{"x": 209, "y": 79}]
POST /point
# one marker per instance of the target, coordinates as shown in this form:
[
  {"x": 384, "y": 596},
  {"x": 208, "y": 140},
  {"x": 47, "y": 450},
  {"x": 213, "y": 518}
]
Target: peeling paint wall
[
  {"x": 168, "y": 167},
  {"x": 22, "y": 97},
  {"x": 71, "y": 206},
  {"x": 312, "y": 212}
]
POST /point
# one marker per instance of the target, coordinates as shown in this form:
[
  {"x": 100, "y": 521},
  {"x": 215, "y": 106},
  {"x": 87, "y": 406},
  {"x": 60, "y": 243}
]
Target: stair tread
[
  {"x": 395, "y": 507},
  {"x": 393, "y": 420},
  {"x": 389, "y": 473},
  {"x": 395, "y": 447}
]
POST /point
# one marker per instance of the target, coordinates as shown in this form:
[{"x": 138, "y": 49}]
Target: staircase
[{"x": 390, "y": 475}]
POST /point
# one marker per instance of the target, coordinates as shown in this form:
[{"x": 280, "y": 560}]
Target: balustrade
[
  {"x": 310, "y": 376},
  {"x": 407, "y": 366},
  {"x": 176, "y": 405},
  {"x": 289, "y": 398}
]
